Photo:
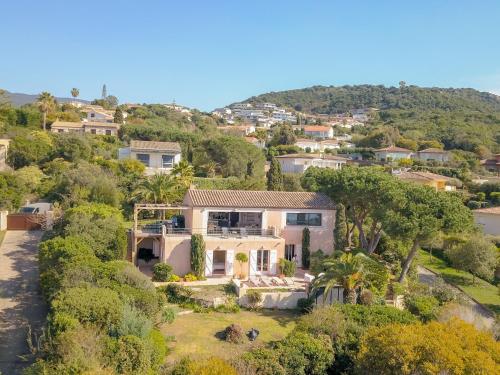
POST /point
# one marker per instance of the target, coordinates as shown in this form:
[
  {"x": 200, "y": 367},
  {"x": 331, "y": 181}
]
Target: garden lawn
[
  {"x": 482, "y": 291},
  {"x": 195, "y": 334}
]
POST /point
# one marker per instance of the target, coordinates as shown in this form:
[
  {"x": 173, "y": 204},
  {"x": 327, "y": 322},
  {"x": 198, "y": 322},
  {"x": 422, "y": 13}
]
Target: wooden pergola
[{"x": 153, "y": 207}]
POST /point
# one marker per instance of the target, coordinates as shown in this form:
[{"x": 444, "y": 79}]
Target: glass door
[{"x": 263, "y": 257}]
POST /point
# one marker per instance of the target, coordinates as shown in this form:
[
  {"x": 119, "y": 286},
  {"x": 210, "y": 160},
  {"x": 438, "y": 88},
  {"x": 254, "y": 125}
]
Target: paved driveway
[
  {"x": 21, "y": 304},
  {"x": 428, "y": 277}
]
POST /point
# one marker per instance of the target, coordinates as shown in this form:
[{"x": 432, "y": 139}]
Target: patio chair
[
  {"x": 275, "y": 281},
  {"x": 289, "y": 281},
  {"x": 253, "y": 282}
]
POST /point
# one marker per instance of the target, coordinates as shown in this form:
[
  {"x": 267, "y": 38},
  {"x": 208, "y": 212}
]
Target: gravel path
[
  {"x": 21, "y": 304},
  {"x": 426, "y": 276}
]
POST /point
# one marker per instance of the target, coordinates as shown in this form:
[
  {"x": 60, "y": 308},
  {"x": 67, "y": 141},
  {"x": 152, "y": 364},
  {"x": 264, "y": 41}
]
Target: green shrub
[
  {"x": 495, "y": 197},
  {"x": 162, "y": 272},
  {"x": 366, "y": 297},
  {"x": 254, "y": 298},
  {"x": 133, "y": 356},
  {"x": 190, "y": 277},
  {"x": 443, "y": 292},
  {"x": 304, "y": 354},
  {"x": 168, "y": 315},
  {"x": 99, "y": 306},
  {"x": 474, "y": 205},
  {"x": 133, "y": 322},
  {"x": 287, "y": 267},
  {"x": 316, "y": 262},
  {"x": 262, "y": 361},
  {"x": 305, "y": 304},
  {"x": 158, "y": 348},
  {"x": 177, "y": 293},
  {"x": 174, "y": 278},
  {"x": 425, "y": 307},
  {"x": 210, "y": 366}
]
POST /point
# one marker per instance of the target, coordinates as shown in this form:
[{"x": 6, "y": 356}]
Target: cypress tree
[
  {"x": 340, "y": 231},
  {"x": 197, "y": 255},
  {"x": 306, "y": 248},
  {"x": 274, "y": 176},
  {"x": 118, "y": 119}
]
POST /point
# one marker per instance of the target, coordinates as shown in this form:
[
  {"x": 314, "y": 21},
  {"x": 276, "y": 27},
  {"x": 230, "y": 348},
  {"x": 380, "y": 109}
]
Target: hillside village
[{"x": 256, "y": 238}]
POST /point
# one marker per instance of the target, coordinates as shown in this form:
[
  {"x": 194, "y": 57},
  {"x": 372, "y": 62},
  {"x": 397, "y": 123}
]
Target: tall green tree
[
  {"x": 118, "y": 117},
  {"x": 370, "y": 195},
  {"x": 283, "y": 135},
  {"x": 477, "y": 256},
  {"x": 425, "y": 213},
  {"x": 75, "y": 92},
  {"x": 198, "y": 255},
  {"x": 45, "y": 103},
  {"x": 341, "y": 231},
  {"x": 306, "y": 248},
  {"x": 274, "y": 176}
]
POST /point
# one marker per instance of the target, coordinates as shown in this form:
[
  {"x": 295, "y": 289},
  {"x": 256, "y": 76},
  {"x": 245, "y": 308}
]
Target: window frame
[
  {"x": 138, "y": 157},
  {"x": 307, "y": 220},
  {"x": 167, "y": 165}
]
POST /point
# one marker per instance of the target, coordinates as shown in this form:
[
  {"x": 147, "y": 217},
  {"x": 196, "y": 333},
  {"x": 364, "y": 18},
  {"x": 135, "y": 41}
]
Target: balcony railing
[{"x": 221, "y": 232}]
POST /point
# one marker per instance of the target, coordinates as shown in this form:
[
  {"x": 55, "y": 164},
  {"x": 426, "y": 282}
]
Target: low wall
[
  {"x": 3, "y": 220},
  {"x": 277, "y": 300}
]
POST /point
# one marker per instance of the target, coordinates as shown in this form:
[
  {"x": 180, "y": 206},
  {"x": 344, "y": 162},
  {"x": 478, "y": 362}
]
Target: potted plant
[{"x": 241, "y": 258}]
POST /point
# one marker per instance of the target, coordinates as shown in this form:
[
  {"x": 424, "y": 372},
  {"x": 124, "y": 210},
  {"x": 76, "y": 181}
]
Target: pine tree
[
  {"x": 340, "y": 231},
  {"x": 118, "y": 119},
  {"x": 274, "y": 176}
]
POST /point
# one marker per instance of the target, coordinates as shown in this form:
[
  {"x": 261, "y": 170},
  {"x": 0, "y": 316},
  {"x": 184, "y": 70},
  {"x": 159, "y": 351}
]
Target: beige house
[
  {"x": 436, "y": 181},
  {"x": 92, "y": 127},
  {"x": 158, "y": 157},
  {"x": 392, "y": 153},
  {"x": 433, "y": 154},
  {"x": 264, "y": 225},
  {"x": 488, "y": 219},
  {"x": 298, "y": 163}
]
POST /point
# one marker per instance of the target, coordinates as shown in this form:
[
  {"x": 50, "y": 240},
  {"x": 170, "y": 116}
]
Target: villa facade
[{"x": 264, "y": 225}]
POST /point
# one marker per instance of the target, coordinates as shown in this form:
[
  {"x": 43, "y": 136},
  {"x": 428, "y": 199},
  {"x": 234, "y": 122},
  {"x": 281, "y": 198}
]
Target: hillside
[
  {"x": 330, "y": 100},
  {"x": 19, "y": 99}
]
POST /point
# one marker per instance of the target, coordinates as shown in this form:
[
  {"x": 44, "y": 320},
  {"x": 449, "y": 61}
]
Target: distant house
[
  {"x": 243, "y": 130},
  {"x": 256, "y": 142},
  {"x": 92, "y": 127},
  {"x": 392, "y": 153},
  {"x": 298, "y": 163},
  {"x": 4, "y": 147},
  {"x": 329, "y": 144},
  {"x": 158, "y": 157},
  {"x": 488, "y": 219},
  {"x": 433, "y": 154},
  {"x": 436, "y": 181},
  {"x": 318, "y": 131},
  {"x": 100, "y": 115},
  {"x": 492, "y": 165},
  {"x": 305, "y": 143}
]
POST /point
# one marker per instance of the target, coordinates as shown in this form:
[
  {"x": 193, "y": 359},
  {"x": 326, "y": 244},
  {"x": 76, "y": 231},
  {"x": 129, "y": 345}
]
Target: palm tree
[
  {"x": 183, "y": 173},
  {"x": 347, "y": 271},
  {"x": 46, "y": 102},
  {"x": 210, "y": 168},
  {"x": 159, "y": 188},
  {"x": 75, "y": 92}
]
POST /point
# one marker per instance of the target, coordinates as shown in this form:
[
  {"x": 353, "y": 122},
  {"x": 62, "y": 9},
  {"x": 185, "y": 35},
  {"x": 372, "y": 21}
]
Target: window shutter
[
  {"x": 229, "y": 262},
  {"x": 209, "y": 262},
  {"x": 274, "y": 262},
  {"x": 253, "y": 262}
]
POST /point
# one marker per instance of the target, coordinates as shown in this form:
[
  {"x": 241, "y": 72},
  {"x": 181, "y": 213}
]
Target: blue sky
[{"x": 207, "y": 54}]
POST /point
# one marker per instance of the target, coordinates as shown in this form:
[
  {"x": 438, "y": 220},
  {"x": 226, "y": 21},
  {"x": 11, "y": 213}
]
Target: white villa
[
  {"x": 298, "y": 163},
  {"x": 158, "y": 157}
]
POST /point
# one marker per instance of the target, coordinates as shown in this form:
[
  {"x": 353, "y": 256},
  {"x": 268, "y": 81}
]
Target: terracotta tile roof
[
  {"x": 393, "y": 149},
  {"x": 311, "y": 156},
  {"x": 66, "y": 124},
  {"x": 305, "y": 140},
  {"x": 433, "y": 151},
  {"x": 258, "y": 199},
  {"x": 317, "y": 128},
  {"x": 490, "y": 210},
  {"x": 422, "y": 176},
  {"x": 155, "y": 146}
]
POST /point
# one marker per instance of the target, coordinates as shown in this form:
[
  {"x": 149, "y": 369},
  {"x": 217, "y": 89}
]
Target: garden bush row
[{"x": 103, "y": 311}]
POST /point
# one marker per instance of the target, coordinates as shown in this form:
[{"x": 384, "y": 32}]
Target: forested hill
[{"x": 330, "y": 100}]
